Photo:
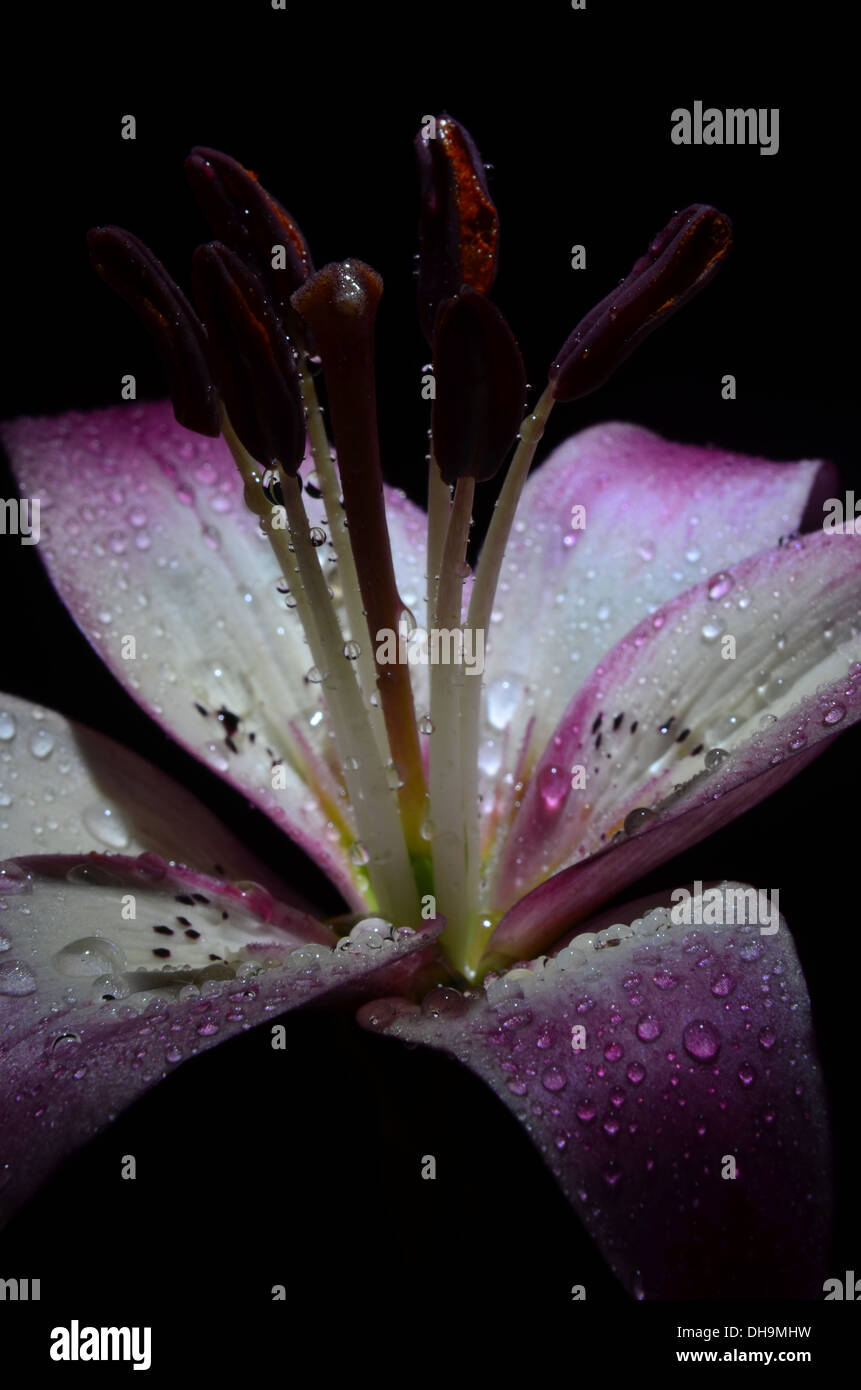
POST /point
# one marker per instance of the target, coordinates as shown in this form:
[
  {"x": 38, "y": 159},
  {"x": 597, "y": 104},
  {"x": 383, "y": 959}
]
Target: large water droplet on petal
[
  {"x": 88, "y": 957},
  {"x": 701, "y": 1040},
  {"x": 107, "y": 825}
]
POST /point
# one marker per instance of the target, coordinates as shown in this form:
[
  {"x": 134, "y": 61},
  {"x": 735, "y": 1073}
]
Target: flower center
[{"x": 244, "y": 369}]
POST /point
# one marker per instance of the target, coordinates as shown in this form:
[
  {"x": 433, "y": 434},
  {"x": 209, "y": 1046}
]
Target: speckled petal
[
  {"x": 65, "y": 789},
  {"x": 686, "y": 1123},
  {"x": 146, "y": 538},
  {"x": 725, "y": 681},
  {"x": 659, "y": 518},
  {"x": 97, "y": 1005}
]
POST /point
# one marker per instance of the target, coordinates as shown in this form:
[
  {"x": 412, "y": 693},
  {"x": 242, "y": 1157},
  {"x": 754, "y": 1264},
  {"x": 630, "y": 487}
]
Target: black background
[{"x": 302, "y": 1168}]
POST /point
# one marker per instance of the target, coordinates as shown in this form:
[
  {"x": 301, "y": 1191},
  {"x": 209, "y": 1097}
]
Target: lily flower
[{"x": 479, "y": 762}]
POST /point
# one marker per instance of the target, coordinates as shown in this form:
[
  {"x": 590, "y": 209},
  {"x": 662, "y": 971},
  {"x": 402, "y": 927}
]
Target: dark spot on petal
[
  {"x": 682, "y": 736},
  {"x": 699, "y": 748},
  {"x": 597, "y": 724},
  {"x": 192, "y": 934},
  {"x": 183, "y": 921},
  {"x": 617, "y": 721},
  {"x": 635, "y": 726},
  {"x": 184, "y": 898},
  {"x": 164, "y": 931},
  {"x": 200, "y": 709},
  {"x": 229, "y": 720},
  {"x": 161, "y": 951}
]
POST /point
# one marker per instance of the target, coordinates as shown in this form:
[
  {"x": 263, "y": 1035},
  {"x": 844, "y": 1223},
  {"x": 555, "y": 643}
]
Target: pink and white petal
[
  {"x": 145, "y": 537},
  {"x": 673, "y": 702},
  {"x": 689, "y": 1130},
  {"x": 91, "y": 1015},
  {"x": 660, "y": 517},
  {"x": 66, "y": 789}
]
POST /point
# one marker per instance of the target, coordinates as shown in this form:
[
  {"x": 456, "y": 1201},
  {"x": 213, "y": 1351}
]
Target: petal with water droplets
[
  {"x": 678, "y": 733},
  {"x": 671, "y": 1083},
  {"x": 148, "y": 543},
  {"x": 66, "y": 789},
  {"x": 656, "y": 518},
  {"x": 114, "y": 970}
]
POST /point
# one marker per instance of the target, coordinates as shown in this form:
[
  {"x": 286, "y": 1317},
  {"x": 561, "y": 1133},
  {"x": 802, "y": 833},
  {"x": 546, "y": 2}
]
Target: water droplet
[
  {"x": 751, "y": 950},
  {"x": 585, "y": 1111},
  {"x": 613, "y": 1051},
  {"x": 834, "y": 714},
  {"x": 723, "y": 985},
  {"x": 714, "y": 757},
  {"x": 554, "y": 1079},
  {"x": 317, "y": 536},
  {"x": 767, "y": 1037},
  {"x": 394, "y": 776},
  {"x": 426, "y": 724},
  {"x": 638, "y": 819},
  {"x": 746, "y": 1074},
  {"x": 41, "y": 743},
  {"x": 7, "y": 726},
  {"x": 444, "y": 1002},
  {"x": 352, "y": 651},
  {"x": 315, "y": 675},
  {"x": 16, "y": 978},
  {"x": 701, "y": 1040},
  {"x": 649, "y": 1027},
  {"x": 646, "y": 550},
  {"x": 720, "y": 584},
  {"x": 359, "y": 854},
  {"x": 503, "y": 697},
  {"x": 552, "y": 787},
  {"x": 427, "y": 829},
  {"x": 91, "y": 873},
  {"x": 711, "y": 630},
  {"x": 89, "y": 956},
  {"x": 107, "y": 825},
  {"x": 110, "y": 987},
  {"x": 664, "y": 978},
  {"x": 636, "y": 1073}
]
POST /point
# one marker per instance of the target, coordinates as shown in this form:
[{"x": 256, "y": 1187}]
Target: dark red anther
[
  {"x": 250, "y": 358},
  {"x": 245, "y": 217},
  {"x": 458, "y": 222},
  {"x": 681, "y": 260},
  {"x": 480, "y": 388},
  {"x": 139, "y": 277}
]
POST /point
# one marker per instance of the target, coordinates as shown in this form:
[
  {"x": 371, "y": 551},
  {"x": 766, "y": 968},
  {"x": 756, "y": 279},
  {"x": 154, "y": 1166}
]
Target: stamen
[
  {"x": 374, "y": 806},
  {"x": 251, "y": 359},
  {"x": 131, "y": 269},
  {"x": 480, "y": 388},
  {"x": 330, "y": 491},
  {"x": 246, "y": 217},
  {"x": 446, "y": 763},
  {"x": 458, "y": 225},
  {"x": 681, "y": 261},
  {"x": 339, "y": 303}
]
